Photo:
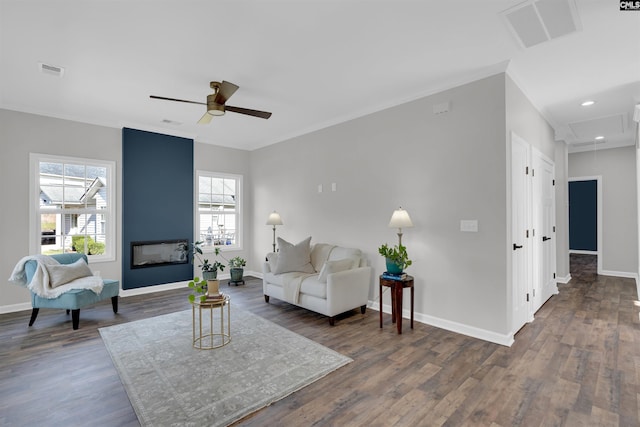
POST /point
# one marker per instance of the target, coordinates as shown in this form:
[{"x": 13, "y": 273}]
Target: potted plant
[
  {"x": 209, "y": 269},
  {"x": 236, "y": 268},
  {"x": 396, "y": 258}
]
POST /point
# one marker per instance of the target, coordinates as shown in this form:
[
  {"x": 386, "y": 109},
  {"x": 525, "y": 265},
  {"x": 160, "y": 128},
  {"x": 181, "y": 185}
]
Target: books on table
[{"x": 393, "y": 276}]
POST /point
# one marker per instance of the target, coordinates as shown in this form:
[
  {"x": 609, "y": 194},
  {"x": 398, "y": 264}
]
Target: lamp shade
[
  {"x": 274, "y": 219},
  {"x": 400, "y": 219}
]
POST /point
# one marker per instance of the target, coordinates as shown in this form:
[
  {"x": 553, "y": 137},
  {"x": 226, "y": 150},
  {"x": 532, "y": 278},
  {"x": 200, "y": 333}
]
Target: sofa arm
[{"x": 348, "y": 289}]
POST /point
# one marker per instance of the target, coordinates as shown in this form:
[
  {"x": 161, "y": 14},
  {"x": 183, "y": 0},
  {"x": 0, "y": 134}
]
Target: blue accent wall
[
  {"x": 157, "y": 201},
  {"x": 583, "y": 215}
]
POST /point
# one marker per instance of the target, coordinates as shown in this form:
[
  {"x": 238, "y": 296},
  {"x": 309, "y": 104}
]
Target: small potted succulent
[
  {"x": 236, "y": 268},
  {"x": 396, "y": 258}
]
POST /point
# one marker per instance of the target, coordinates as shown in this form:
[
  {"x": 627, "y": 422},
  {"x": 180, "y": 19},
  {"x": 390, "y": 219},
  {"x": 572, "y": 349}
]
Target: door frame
[{"x": 598, "y": 179}]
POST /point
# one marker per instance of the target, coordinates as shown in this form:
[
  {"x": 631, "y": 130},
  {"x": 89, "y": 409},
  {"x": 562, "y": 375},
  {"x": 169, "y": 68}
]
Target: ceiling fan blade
[
  {"x": 248, "y": 112},
  {"x": 205, "y": 119},
  {"x": 224, "y": 93},
  {"x": 174, "y": 99}
]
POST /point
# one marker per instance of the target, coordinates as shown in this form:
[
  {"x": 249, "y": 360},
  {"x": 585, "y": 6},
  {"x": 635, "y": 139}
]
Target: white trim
[
  {"x": 449, "y": 325},
  {"x": 15, "y": 307},
  {"x": 581, "y": 252},
  {"x": 598, "y": 179},
  {"x": 624, "y": 274},
  {"x": 564, "y": 280},
  {"x": 34, "y": 209}
]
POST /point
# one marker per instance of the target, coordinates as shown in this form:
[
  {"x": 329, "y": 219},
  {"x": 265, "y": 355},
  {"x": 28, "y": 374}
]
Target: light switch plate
[{"x": 469, "y": 225}]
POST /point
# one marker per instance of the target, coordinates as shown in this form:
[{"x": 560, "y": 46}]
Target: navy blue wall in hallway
[
  {"x": 157, "y": 201},
  {"x": 583, "y": 215}
]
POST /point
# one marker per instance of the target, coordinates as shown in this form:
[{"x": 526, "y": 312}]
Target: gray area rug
[{"x": 170, "y": 383}]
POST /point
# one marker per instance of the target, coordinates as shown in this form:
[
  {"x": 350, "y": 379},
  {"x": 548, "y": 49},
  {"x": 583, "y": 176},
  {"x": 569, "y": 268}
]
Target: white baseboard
[
  {"x": 581, "y": 252},
  {"x": 614, "y": 273},
  {"x": 564, "y": 280},
  {"x": 15, "y": 307},
  {"x": 459, "y": 328}
]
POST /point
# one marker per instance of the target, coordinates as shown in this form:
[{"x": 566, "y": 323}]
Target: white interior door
[
  {"x": 520, "y": 248},
  {"x": 545, "y": 176}
]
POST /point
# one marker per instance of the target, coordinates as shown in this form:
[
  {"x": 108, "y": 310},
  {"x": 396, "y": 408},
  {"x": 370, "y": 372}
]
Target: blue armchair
[{"x": 74, "y": 299}]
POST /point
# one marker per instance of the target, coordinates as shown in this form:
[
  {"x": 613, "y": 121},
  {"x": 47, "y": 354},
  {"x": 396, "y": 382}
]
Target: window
[
  {"x": 218, "y": 220},
  {"x": 73, "y": 206}
]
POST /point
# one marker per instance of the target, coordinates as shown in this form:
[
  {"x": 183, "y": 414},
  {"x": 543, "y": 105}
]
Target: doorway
[{"x": 585, "y": 217}]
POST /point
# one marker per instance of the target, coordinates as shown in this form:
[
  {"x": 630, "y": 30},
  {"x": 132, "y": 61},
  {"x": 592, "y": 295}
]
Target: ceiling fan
[{"x": 216, "y": 103}]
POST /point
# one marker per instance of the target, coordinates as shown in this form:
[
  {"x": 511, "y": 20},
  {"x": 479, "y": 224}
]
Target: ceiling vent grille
[
  {"x": 535, "y": 22},
  {"x": 50, "y": 69}
]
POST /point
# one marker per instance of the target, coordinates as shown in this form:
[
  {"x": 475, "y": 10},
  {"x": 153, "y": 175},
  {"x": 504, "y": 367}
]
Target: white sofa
[{"x": 342, "y": 286}]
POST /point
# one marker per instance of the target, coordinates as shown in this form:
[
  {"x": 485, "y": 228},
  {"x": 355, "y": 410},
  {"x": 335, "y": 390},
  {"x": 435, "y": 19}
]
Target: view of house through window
[
  {"x": 73, "y": 210},
  {"x": 218, "y": 213}
]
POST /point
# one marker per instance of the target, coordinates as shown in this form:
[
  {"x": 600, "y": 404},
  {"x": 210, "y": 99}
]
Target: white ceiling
[{"x": 313, "y": 63}]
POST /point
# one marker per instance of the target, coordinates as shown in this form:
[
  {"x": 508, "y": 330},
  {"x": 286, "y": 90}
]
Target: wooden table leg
[
  {"x": 398, "y": 291},
  {"x": 412, "y": 288},
  {"x": 393, "y": 304},
  {"x": 380, "y": 294}
]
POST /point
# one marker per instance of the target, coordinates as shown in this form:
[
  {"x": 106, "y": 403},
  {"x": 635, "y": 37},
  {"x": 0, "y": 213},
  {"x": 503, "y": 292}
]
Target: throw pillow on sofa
[
  {"x": 64, "y": 273},
  {"x": 294, "y": 257},
  {"x": 336, "y": 266}
]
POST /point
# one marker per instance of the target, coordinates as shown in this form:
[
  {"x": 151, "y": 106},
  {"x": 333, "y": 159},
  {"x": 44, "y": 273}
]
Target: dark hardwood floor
[{"x": 577, "y": 364}]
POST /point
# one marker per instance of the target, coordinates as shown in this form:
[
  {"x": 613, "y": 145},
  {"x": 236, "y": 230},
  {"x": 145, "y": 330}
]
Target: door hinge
[
  {"x": 533, "y": 233},
  {"x": 554, "y": 228},
  {"x": 533, "y": 172},
  {"x": 534, "y": 293},
  {"x": 526, "y": 170},
  {"x": 527, "y": 234},
  {"x": 553, "y": 182},
  {"x": 527, "y": 296},
  {"x": 554, "y": 275}
]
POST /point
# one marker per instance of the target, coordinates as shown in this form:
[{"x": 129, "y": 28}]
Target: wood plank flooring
[{"x": 577, "y": 364}]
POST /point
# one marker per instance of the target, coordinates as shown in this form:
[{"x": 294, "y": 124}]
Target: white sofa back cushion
[
  {"x": 294, "y": 257},
  {"x": 336, "y": 266}
]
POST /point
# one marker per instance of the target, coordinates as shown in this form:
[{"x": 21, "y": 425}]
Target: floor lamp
[
  {"x": 400, "y": 219},
  {"x": 274, "y": 219}
]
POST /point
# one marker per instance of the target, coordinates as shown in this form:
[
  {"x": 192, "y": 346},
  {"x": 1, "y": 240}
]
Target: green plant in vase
[
  {"x": 396, "y": 258},
  {"x": 199, "y": 290}
]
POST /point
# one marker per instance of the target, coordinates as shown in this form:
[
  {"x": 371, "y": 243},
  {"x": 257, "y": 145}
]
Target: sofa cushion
[
  {"x": 294, "y": 257},
  {"x": 311, "y": 286},
  {"x": 340, "y": 253},
  {"x": 280, "y": 279},
  {"x": 336, "y": 266},
  {"x": 65, "y": 273}
]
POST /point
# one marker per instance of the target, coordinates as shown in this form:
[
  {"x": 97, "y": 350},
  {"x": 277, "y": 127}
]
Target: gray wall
[
  {"x": 441, "y": 168},
  {"x": 21, "y": 134},
  {"x": 563, "y": 271},
  {"x": 617, "y": 166}
]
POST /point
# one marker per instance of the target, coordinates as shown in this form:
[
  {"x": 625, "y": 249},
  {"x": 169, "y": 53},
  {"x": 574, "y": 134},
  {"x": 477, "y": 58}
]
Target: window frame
[
  {"x": 238, "y": 246},
  {"x": 35, "y": 231}
]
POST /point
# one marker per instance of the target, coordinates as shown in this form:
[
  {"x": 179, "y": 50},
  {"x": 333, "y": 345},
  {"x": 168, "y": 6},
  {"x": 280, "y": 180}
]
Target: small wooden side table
[{"x": 397, "y": 286}]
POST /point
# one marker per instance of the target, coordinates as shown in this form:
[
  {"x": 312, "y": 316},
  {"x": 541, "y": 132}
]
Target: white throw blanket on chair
[
  {"x": 40, "y": 284},
  {"x": 291, "y": 286}
]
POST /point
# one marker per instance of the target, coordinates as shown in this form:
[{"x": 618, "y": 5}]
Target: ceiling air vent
[
  {"x": 50, "y": 69},
  {"x": 535, "y": 22}
]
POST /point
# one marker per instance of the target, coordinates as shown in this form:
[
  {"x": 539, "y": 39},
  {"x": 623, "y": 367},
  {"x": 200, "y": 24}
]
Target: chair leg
[
  {"x": 75, "y": 318},
  {"x": 266, "y": 298},
  {"x": 114, "y": 303},
  {"x": 34, "y": 314},
  {"x": 68, "y": 311},
  {"x": 332, "y": 321},
  {"x": 363, "y": 309}
]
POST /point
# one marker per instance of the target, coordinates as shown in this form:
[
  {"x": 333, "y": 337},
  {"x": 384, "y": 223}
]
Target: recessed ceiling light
[
  {"x": 588, "y": 103},
  {"x": 599, "y": 138}
]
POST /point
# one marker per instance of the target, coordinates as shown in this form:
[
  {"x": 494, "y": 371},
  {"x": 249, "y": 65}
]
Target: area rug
[{"x": 170, "y": 383}]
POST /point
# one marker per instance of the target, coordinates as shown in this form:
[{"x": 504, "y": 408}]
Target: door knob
[{"x": 516, "y": 246}]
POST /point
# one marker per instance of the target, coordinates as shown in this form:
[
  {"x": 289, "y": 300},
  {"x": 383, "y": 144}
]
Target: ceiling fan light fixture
[
  {"x": 588, "y": 103},
  {"x": 216, "y": 110}
]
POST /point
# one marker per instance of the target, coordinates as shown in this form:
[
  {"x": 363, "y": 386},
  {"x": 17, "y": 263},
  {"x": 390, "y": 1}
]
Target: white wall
[
  {"x": 440, "y": 168},
  {"x": 617, "y": 166}
]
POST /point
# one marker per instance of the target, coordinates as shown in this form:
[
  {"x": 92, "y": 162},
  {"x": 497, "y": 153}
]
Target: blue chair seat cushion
[{"x": 77, "y": 298}]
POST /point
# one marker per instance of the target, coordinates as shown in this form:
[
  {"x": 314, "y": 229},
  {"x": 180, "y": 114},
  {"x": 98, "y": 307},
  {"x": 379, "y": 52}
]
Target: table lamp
[
  {"x": 274, "y": 219},
  {"x": 400, "y": 219}
]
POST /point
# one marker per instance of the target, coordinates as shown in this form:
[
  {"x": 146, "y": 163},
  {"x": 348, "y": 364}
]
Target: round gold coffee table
[{"x": 218, "y": 311}]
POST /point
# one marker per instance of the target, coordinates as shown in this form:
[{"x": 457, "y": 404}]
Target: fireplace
[{"x": 159, "y": 252}]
